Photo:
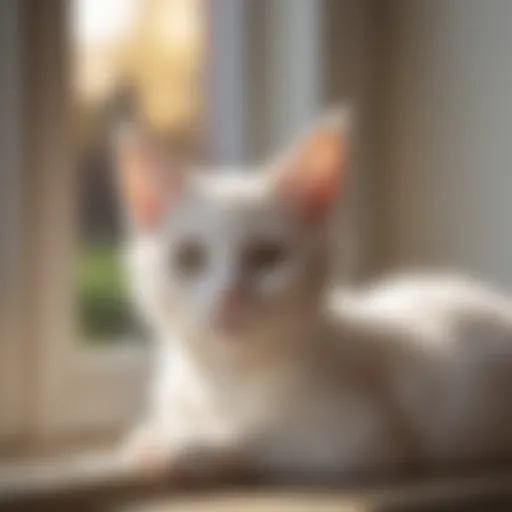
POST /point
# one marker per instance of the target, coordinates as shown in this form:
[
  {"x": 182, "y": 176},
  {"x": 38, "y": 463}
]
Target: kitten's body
[
  {"x": 294, "y": 378},
  {"x": 407, "y": 372}
]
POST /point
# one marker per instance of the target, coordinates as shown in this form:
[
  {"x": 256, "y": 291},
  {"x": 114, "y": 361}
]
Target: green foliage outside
[{"x": 102, "y": 295}]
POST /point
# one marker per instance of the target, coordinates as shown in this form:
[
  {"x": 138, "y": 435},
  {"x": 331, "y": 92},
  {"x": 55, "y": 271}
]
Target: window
[
  {"x": 131, "y": 58},
  {"x": 197, "y": 73},
  {"x": 101, "y": 62}
]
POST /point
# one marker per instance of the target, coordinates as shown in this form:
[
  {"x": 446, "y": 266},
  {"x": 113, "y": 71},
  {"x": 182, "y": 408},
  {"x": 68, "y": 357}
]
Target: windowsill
[
  {"x": 96, "y": 482},
  {"x": 66, "y": 482}
]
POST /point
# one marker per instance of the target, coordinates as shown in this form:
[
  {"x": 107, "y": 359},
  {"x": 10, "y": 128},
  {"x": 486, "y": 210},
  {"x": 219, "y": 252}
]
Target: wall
[
  {"x": 444, "y": 178},
  {"x": 11, "y": 346}
]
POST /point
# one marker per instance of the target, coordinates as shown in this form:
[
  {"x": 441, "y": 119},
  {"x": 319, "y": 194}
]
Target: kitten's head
[{"x": 235, "y": 257}]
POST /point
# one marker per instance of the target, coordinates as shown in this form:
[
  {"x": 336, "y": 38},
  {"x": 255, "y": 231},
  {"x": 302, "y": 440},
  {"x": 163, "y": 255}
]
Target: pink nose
[{"x": 230, "y": 301}]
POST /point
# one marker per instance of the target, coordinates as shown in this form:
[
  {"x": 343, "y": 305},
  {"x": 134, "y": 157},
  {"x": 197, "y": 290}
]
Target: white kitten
[{"x": 261, "y": 365}]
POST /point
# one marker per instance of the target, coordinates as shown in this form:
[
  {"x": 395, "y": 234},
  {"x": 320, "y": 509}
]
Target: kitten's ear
[
  {"x": 313, "y": 173},
  {"x": 148, "y": 179}
]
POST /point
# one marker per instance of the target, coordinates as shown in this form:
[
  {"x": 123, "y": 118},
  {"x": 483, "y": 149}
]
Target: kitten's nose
[
  {"x": 230, "y": 310},
  {"x": 230, "y": 300}
]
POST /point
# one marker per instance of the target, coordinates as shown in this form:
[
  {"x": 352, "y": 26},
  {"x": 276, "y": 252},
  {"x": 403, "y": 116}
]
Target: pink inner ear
[
  {"x": 148, "y": 184},
  {"x": 144, "y": 203},
  {"x": 319, "y": 194},
  {"x": 313, "y": 179}
]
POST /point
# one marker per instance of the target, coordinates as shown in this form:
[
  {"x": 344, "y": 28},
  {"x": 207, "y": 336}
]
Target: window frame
[{"x": 74, "y": 389}]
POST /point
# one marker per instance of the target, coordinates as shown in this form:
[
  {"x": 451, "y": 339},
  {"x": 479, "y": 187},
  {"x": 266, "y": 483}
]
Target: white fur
[
  {"x": 412, "y": 370},
  {"x": 409, "y": 370}
]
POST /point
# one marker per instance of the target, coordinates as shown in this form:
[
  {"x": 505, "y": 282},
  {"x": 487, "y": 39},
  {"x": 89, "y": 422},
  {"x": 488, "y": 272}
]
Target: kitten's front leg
[
  {"x": 186, "y": 461},
  {"x": 205, "y": 464},
  {"x": 148, "y": 449}
]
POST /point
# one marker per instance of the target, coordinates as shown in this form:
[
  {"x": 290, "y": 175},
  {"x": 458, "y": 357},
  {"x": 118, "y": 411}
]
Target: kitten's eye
[
  {"x": 263, "y": 256},
  {"x": 190, "y": 258}
]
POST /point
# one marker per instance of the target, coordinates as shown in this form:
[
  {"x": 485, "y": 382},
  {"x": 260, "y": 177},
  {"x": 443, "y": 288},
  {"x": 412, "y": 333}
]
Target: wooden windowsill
[{"x": 96, "y": 482}]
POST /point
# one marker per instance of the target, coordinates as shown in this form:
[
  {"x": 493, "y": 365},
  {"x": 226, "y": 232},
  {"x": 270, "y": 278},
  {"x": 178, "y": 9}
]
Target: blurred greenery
[
  {"x": 102, "y": 295},
  {"x": 149, "y": 72}
]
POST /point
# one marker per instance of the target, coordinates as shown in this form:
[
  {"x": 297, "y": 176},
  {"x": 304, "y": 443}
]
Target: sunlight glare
[{"x": 97, "y": 21}]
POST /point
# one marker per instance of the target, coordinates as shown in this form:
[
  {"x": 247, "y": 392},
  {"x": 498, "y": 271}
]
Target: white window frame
[
  {"x": 76, "y": 389},
  {"x": 72, "y": 388}
]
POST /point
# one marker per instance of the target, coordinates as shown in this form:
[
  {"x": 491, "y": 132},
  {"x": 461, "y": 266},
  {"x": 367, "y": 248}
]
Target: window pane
[{"x": 131, "y": 58}]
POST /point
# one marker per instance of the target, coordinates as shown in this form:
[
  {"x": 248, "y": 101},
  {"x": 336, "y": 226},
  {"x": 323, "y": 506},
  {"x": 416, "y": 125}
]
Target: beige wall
[
  {"x": 350, "y": 66},
  {"x": 11, "y": 347},
  {"x": 443, "y": 186}
]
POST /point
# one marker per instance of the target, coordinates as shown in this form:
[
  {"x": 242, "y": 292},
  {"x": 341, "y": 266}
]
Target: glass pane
[{"x": 130, "y": 58}]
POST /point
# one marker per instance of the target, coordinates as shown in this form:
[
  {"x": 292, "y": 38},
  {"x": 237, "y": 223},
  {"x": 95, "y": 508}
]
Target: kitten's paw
[
  {"x": 146, "y": 452},
  {"x": 198, "y": 466}
]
